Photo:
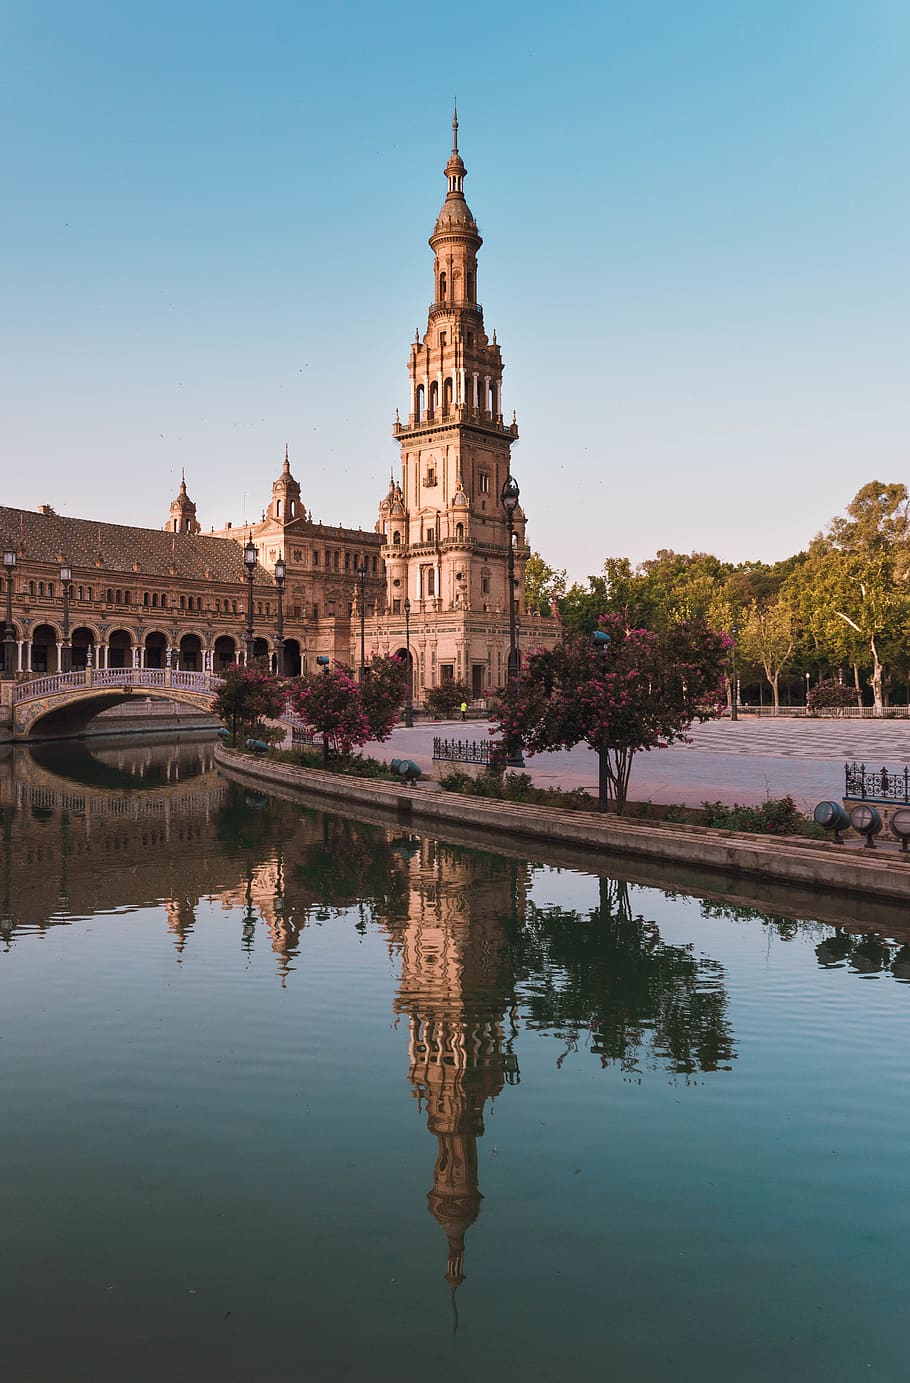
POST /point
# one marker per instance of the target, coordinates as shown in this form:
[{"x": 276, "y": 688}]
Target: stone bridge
[{"x": 62, "y": 704}]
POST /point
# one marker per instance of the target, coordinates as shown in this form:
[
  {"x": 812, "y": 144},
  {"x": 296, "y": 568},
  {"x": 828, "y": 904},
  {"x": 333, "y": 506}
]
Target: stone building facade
[{"x": 176, "y": 596}]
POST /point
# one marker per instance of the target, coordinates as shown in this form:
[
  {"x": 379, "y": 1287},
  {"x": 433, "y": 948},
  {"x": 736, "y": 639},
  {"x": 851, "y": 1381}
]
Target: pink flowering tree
[
  {"x": 383, "y": 693},
  {"x": 347, "y": 713},
  {"x": 633, "y": 690},
  {"x": 246, "y": 696},
  {"x": 329, "y": 702}
]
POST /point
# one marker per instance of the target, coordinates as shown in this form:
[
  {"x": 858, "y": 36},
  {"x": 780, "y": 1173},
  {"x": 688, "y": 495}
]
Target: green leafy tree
[
  {"x": 245, "y": 697},
  {"x": 635, "y": 690},
  {"x": 543, "y": 584},
  {"x": 767, "y": 637},
  {"x": 447, "y": 698}
]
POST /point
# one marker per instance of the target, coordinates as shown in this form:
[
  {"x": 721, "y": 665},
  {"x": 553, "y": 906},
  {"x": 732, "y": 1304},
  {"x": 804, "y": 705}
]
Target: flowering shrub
[
  {"x": 246, "y": 696},
  {"x": 336, "y": 706},
  {"x": 639, "y": 690},
  {"x": 829, "y": 694}
]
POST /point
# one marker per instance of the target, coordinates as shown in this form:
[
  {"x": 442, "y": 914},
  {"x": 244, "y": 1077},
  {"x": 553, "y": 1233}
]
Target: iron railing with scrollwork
[
  {"x": 879, "y": 784},
  {"x": 463, "y": 751}
]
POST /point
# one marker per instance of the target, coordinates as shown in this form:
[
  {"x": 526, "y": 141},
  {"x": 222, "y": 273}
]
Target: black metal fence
[
  {"x": 880, "y": 784},
  {"x": 463, "y": 751}
]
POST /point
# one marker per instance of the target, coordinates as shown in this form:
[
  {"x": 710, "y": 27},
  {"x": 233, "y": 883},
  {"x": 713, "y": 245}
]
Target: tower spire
[{"x": 455, "y": 127}]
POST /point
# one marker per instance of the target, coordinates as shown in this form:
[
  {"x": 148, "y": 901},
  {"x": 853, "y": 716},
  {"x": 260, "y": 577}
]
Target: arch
[
  {"x": 120, "y": 649},
  {"x": 396, "y": 539},
  {"x": 470, "y": 286},
  {"x": 494, "y": 400},
  {"x": 442, "y": 286},
  {"x": 155, "y": 647},
  {"x": 292, "y": 662},
  {"x": 224, "y": 652},
  {"x": 419, "y": 403},
  {"x": 82, "y": 640},
  {"x": 459, "y": 532},
  {"x": 260, "y": 648},
  {"x": 44, "y": 649},
  {"x": 408, "y": 660},
  {"x": 190, "y": 653},
  {"x": 448, "y": 395},
  {"x": 434, "y": 398}
]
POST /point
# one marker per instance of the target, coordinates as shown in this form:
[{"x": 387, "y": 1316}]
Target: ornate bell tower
[{"x": 446, "y": 538}]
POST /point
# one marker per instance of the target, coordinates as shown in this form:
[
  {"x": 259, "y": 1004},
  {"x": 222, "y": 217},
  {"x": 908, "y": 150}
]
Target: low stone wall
[{"x": 785, "y": 859}]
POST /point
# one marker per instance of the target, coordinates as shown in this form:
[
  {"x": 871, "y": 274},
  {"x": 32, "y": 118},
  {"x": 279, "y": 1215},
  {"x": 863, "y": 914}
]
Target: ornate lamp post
[
  {"x": 323, "y": 662},
  {"x": 249, "y": 562},
  {"x": 409, "y": 704},
  {"x": 509, "y": 500},
  {"x": 66, "y": 652},
  {"x": 9, "y": 638},
  {"x": 734, "y": 715},
  {"x": 280, "y": 574},
  {"x": 362, "y": 576}
]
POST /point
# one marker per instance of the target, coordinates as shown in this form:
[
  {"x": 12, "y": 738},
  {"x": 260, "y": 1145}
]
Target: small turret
[
  {"x": 182, "y": 517},
  {"x": 285, "y": 505}
]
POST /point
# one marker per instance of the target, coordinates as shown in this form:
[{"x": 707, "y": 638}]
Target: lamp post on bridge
[
  {"x": 734, "y": 715},
  {"x": 409, "y": 703},
  {"x": 249, "y": 562},
  {"x": 9, "y": 638},
  {"x": 66, "y": 652},
  {"x": 280, "y": 573}
]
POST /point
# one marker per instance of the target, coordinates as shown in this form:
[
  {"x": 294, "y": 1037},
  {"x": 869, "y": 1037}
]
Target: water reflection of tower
[{"x": 456, "y": 988}]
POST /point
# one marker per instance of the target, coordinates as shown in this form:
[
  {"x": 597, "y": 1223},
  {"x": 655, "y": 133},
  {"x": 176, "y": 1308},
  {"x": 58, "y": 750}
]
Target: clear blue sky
[{"x": 213, "y": 230}]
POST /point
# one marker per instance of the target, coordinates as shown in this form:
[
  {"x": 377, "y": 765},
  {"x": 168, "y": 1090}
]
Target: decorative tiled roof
[{"x": 50, "y": 537}]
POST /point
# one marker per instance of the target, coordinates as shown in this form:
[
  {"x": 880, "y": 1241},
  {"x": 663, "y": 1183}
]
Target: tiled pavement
[{"x": 742, "y": 761}]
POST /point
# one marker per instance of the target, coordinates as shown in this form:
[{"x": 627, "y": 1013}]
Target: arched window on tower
[
  {"x": 494, "y": 401},
  {"x": 419, "y": 402},
  {"x": 278, "y": 509},
  {"x": 459, "y": 532},
  {"x": 442, "y": 287},
  {"x": 470, "y": 286},
  {"x": 396, "y": 539},
  {"x": 434, "y": 398},
  {"x": 447, "y": 396}
]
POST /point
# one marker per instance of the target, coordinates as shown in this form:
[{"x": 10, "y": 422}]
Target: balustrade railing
[{"x": 90, "y": 678}]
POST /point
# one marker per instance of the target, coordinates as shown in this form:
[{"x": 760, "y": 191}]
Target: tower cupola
[
  {"x": 182, "y": 518},
  {"x": 285, "y": 505}
]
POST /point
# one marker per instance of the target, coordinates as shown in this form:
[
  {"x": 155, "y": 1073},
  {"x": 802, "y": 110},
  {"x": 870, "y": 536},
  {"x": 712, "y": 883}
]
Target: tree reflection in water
[{"x": 644, "y": 1002}]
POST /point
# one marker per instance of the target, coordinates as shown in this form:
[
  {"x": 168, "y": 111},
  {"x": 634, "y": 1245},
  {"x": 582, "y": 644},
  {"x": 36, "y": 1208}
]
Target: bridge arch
[{"x": 61, "y": 706}]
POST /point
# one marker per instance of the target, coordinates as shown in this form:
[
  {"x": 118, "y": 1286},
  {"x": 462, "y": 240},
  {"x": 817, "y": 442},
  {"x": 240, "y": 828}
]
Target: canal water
[{"x": 290, "y": 1097}]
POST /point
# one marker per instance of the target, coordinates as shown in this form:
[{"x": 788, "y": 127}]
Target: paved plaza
[{"x": 731, "y": 761}]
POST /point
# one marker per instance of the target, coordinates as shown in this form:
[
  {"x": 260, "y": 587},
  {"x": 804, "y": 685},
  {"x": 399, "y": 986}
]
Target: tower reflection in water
[{"x": 456, "y": 990}]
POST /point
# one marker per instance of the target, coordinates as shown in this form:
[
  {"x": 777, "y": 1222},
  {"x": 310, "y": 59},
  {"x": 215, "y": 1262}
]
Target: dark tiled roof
[{"x": 81, "y": 542}]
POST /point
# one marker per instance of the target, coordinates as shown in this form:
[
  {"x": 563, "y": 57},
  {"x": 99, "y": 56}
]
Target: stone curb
[{"x": 786, "y": 859}]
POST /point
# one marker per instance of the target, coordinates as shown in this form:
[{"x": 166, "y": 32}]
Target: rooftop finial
[
  {"x": 287, "y": 463},
  {"x": 455, "y": 127}
]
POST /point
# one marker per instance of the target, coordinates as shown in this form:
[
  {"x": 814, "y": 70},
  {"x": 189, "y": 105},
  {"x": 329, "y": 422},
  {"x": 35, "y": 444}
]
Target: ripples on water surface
[{"x": 286, "y": 1097}]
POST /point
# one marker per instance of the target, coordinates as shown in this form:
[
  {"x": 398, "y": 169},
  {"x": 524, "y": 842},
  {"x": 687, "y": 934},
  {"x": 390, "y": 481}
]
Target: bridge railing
[
  {"x": 59, "y": 683},
  {"x": 47, "y": 686}
]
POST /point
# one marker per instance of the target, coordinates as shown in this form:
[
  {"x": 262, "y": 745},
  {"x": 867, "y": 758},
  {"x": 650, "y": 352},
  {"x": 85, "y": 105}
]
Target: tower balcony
[
  {"x": 451, "y": 417},
  {"x": 448, "y": 307}
]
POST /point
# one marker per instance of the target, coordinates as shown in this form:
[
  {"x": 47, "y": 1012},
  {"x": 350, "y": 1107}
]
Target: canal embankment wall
[{"x": 816, "y": 868}]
